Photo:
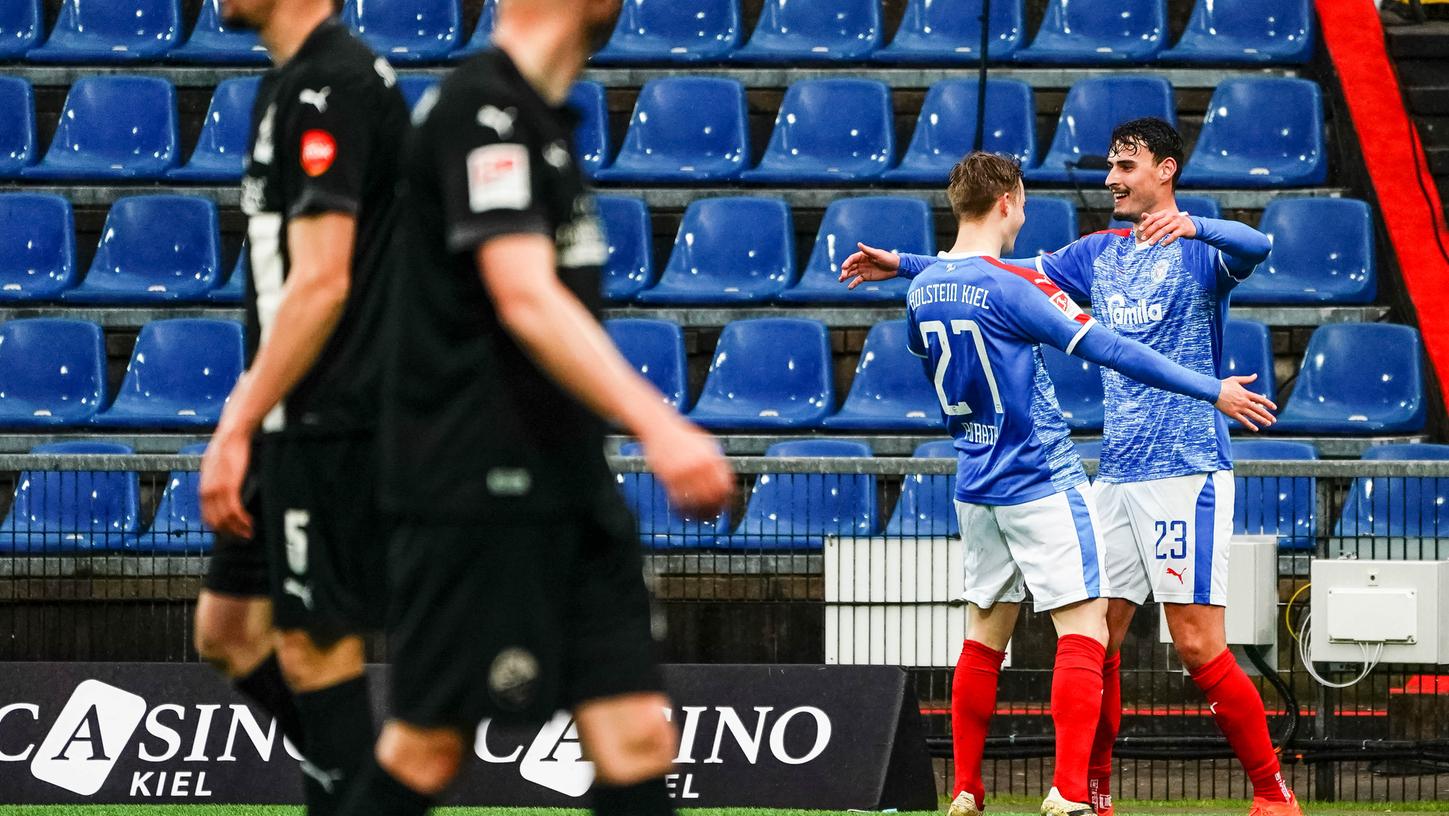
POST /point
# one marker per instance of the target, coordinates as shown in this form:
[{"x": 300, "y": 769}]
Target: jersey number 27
[{"x": 959, "y": 327}]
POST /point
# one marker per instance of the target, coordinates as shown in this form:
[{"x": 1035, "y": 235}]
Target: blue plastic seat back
[
  {"x": 55, "y": 512},
  {"x": 1261, "y": 132},
  {"x": 37, "y": 246},
  {"x": 799, "y": 30},
  {"x": 1358, "y": 378},
  {"x": 591, "y": 139},
  {"x": 176, "y": 526},
  {"x": 212, "y": 41},
  {"x": 113, "y": 126},
  {"x": 1099, "y": 31},
  {"x": 22, "y": 22},
  {"x": 626, "y": 226},
  {"x": 181, "y": 373},
  {"x": 927, "y": 504},
  {"x": 890, "y": 391},
  {"x": 221, "y": 150},
  {"x": 1323, "y": 252},
  {"x": 17, "y": 126},
  {"x": 406, "y": 30},
  {"x": 674, "y": 31},
  {"x": 716, "y": 259},
  {"x": 795, "y": 510},
  {"x": 413, "y": 86},
  {"x": 1247, "y": 350},
  {"x": 233, "y": 290},
  {"x": 52, "y": 372},
  {"x": 482, "y": 31},
  {"x": 1091, "y": 449},
  {"x": 896, "y": 223},
  {"x": 111, "y": 31},
  {"x": 950, "y": 30},
  {"x": 133, "y": 262},
  {"x": 1285, "y": 506},
  {"x": 1252, "y": 31},
  {"x": 947, "y": 125},
  {"x": 656, "y": 349},
  {"x": 660, "y": 525},
  {"x": 1199, "y": 205},
  {"x": 1395, "y": 506},
  {"x": 768, "y": 372},
  {"x": 1092, "y": 109},
  {"x": 685, "y": 129},
  {"x": 1078, "y": 384},
  {"x": 830, "y": 129},
  {"x": 1051, "y": 223}
]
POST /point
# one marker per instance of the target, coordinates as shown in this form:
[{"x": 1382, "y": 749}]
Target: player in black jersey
[
  {"x": 297, "y": 434},
  {"x": 515, "y": 569}
]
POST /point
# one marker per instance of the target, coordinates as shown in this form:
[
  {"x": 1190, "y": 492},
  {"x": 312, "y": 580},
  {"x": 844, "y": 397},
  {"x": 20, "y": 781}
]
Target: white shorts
[
  {"x": 1048, "y": 546},
  {"x": 1169, "y": 536}
]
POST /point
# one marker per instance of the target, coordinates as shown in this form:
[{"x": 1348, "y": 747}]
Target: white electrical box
[
  {"x": 1399, "y": 604},
  {"x": 1252, "y": 613}
]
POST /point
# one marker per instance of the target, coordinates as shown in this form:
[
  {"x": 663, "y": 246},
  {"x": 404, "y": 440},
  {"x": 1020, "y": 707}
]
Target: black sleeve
[{"x": 329, "y": 138}]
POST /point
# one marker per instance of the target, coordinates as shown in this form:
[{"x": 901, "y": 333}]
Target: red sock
[
  {"x": 973, "y": 701},
  {"x": 1239, "y": 713},
  {"x": 1099, "y": 767},
  {"x": 1076, "y": 708}
]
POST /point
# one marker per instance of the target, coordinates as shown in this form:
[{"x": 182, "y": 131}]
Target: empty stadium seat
[
  {"x": 626, "y": 226},
  {"x": 221, "y": 151},
  {"x": 52, "y": 372},
  {"x": 113, "y": 127},
  {"x": 1260, "y": 132},
  {"x": 37, "y": 247},
  {"x": 1358, "y": 378},
  {"x": 947, "y": 125},
  {"x": 656, "y": 349},
  {"x": 22, "y": 22},
  {"x": 233, "y": 290},
  {"x": 591, "y": 139},
  {"x": 796, "y": 511},
  {"x": 659, "y": 524},
  {"x": 927, "y": 506},
  {"x": 890, "y": 222},
  {"x": 1249, "y": 31},
  {"x": 176, "y": 528},
  {"x": 797, "y": 31},
  {"x": 482, "y": 31},
  {"x": 111, "y": 31},
  {"x": 673, "y": 31},
  {"x": 1285, "y": 506},
  {"x": 1398, "y": 506},
  {"x": 728, "y": 250},
  {"x": 212, "y": 42},
  {"x": 60, "y": 512},
  {"x": 685, "y": 129},
  {"x": 937, "y": 31},
  {"x": 1051, "y": 223},
  {"x": 17, "y": 126},
  {"x": 830, "y": 130},
  {"x": 413, "y": 86},
  {"x": 1099, "y": 31},
  {"x": 1323, "y": 252},
  {"x": 768, "y": 373},
  {"x": 1088, "y": 449},
  {"x": 406, "y": 31},
  {"x": 1247, "y": 350},
  {"x": 1092, "y": 109},
  {"x": 890, "y": 391},
  {"x": 180, "y": 374},
  {"x": 1078, "y": 384},
  {"x": 1199, "y": 205},
  {"x": 135, "y": 263}
]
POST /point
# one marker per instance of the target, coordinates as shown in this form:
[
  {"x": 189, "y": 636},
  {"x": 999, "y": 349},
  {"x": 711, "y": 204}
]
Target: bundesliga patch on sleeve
[
  {"x": 498, "y": 178},
  {"x": 1068, "y": 307},
  {"x": 319, "y": 150}
]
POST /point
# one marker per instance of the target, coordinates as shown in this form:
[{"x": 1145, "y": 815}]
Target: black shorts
[
  {"x": 516, "y": 619},
  {"x": 326, "y": 540},
  {"x": 238, "y": 566}
]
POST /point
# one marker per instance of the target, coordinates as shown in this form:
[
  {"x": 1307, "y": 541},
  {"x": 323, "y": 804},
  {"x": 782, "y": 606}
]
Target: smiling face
[{"x": 1145, "y": 160}]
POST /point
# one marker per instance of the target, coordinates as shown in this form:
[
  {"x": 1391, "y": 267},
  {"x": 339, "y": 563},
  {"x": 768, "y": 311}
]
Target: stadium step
[
  {"x": 1438, "y": 160},
  {"x": 1434, "y": 130},
  {"x": 1427, "y": 41},
  {"x": 1429, "y": 101}
]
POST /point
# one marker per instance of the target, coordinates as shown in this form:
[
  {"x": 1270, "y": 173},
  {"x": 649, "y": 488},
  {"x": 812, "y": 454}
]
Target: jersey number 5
[{"x": 959, "y": 327}]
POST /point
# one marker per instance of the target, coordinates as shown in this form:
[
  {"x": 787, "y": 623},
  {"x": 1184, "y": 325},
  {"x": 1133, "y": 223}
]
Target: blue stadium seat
[
  {"x": 136, "y": 264},
  {"x": 927, "y": 506},
  {"x": 1090, "y": 449},
  {"x": 891, "y": 222},
  {"x": 660, "y": 525},
  {"x": 52, "y": 372},
  {"x": 213, "y": 43},
  {"x": 233, "y": 290},
  {"x": 1246, "y": 31},
  {"x": 1285, "y": 506},
  {"x": 406, "y": 31},
  {"x": 947, "y": 125},
  {"x": 72, "y": 511},
  {"x": 717, "y": 260},
  {"x": 1051, "y": 223},
  {"x": 113, "y": 127},
  {"x": 1085, "y": 32},
  {"x": 1093, "y": 107},
  {"x": 221, "y": 151},
  {"x": 1078, "y": 384},
  {"x": 941, "y": 31},
  {"x": 1200, "y": 205},
  {"x": 37, "y": 247},
  {"x": 482, "y": 31},
  {"x": 768, "y": 373},
  {"x": 656, "y": 349},
  {"x": 796, "y": 31},
  {"x": 113, "y": 31},
  {"x": 22, "y": 22},
  {"x": 673, "y": 31},
  {"x": 1260, "y": 132},
  {"x": 890, "y": 391},
  {"x": 1389, "y": 506},
  {"x": 180, "y": 374},
  {"x": 830, "y": 130},
  {"x": 626, "y": 226},
  {"x": 591, "y": 138},
  {"x": 1248, "y": 349},
  {"x": 1323, "y": 252},
  {"x": 685, "y": 129},
  {"x": 1343, "y": 389},
  {"x": 17, "y": 126},
  {"x": 413, "y": 86},
  {"x": 795, "y": 511},
  {"x": 176, "y": 528}
]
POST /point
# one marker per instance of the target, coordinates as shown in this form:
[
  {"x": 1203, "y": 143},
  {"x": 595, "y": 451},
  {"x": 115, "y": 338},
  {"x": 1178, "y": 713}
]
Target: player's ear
[{"x": 1166, "y": 169}]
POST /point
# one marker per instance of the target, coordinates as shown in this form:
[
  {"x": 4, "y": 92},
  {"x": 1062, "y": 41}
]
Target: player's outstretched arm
[
  {"x": 1242, "y": 247},
  {"x": 550, "y": 323},
  {"x": 870, "y": 263}
]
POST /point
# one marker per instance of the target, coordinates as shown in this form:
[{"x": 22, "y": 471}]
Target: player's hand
[
  {"x": 223, "y": 467},
  {"x": 1165, "y": 226},
  {"x": 1245, "y": 406},
  {"x": 869, "y": 264},
  {"x": 695, "y": 474}
]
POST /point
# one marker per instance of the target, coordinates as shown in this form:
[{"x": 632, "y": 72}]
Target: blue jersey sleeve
[
  {"x": 1237, "y": 249},
  {"x": 913, "y": 265},
  {"x": 1141, "y": 363},
  {"x": 1038, "y": 311},
  {"x": 1070, "y": 267}
]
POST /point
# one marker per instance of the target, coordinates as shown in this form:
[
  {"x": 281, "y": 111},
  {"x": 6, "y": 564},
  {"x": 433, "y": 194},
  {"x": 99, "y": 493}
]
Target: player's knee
[
  {"x": 424, "y": 760},
  {"x": 228, "y": 644},
  {"x": 1195, "y": 648},
  {"x": 307, "y": 666},
  {"x": 632, "y": 755}
]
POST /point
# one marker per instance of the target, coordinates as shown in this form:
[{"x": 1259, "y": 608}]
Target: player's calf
[
  {"x": 333, "y": 702},
  {"x": 233, "y": 634},
  {"x": 632, "y": 747}
]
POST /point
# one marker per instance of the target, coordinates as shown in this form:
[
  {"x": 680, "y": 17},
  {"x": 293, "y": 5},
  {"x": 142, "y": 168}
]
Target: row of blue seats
[
  {"x": 672, "y": 31},
  {"x": 1258, "y": 132}
]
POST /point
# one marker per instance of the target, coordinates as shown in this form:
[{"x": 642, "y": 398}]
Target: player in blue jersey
[
  {"x": 1022, "y": 498},
  {"x": 1166, "y": 484}
]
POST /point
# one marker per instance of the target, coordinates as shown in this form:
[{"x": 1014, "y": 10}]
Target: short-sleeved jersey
[
  {"x": 472, "y": 427},
  {"x": 978, "y": 323},
  {"x": 326, "y": 131},
  {"x": 1173, "y": 299}
]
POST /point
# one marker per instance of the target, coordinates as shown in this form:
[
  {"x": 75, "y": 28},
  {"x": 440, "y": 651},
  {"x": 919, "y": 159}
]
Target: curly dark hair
[{"x": 1155, "y": 136}]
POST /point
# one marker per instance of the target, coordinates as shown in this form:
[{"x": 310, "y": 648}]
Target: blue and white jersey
[{"x": 978, "y": 322}]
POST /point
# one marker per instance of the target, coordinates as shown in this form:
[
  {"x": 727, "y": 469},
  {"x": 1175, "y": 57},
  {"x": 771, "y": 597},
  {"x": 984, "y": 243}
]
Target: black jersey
[
  {"x": 326, "y": 130},
  {"x": 471, "y": 426}
]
